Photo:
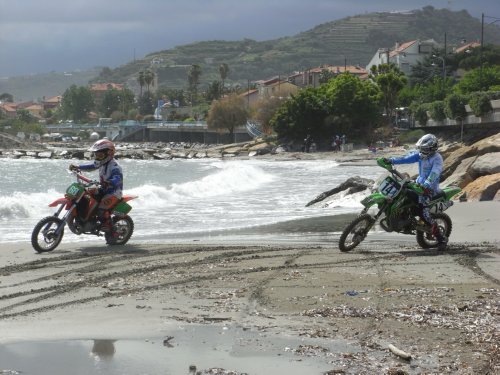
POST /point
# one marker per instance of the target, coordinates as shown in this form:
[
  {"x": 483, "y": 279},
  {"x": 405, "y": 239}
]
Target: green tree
[
  {"x": 149, "y": 77},
  {"x": 6, "y": 97},
  {"x": 194, "y": 74},
  {"x": 214, "y": 91},
  {"x": 141, "y": 80},
  {"x": 76, "y": 103},
  {"x": 302, "y": 114},
  {"x": 227, "y": 113},
  {"x": 116, "y": 100},
  {"x": 344, "y": 105},
  {"x": 146, "y": 105},
  {"x": 25, "y": 116},
  {"x": 391, "y": 81},
  {"x": 223, "y": 72},
  {"x": 353, "y": 104},
  {"x": 477, "y": 80},
  {"x": 420, "y": 113},
  {"x": 455, "y": 106},
  {"x": 480, "y": 103},
  {"x": 436, "y": 110},
  {"x": 326, "y": 75}
]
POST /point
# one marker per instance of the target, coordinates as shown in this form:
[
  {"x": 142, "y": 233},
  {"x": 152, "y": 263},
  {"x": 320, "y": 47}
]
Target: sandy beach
[{"x": 339, "y": 313}]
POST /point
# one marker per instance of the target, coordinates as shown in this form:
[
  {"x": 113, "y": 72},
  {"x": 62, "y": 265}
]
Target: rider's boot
[
  {"x": 106, "y": 224},
  {"x": 442, "y": 241}
]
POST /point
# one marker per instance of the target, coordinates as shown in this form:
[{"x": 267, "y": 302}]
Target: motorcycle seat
[{"x": 440, "y": 194}]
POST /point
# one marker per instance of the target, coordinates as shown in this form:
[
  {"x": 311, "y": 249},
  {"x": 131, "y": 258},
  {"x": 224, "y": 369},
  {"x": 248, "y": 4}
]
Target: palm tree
[
  {"x": 194, "y": 74},
  {"x": 149, "y": 77},
  {"x": 223, "y": 71},
  {"x": 141, "y": 80}
]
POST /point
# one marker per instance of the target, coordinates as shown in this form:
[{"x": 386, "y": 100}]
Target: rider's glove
[
  {"x": 74, "y": 168},
  {"x": 106, "y": 184},
  {"x": 387, "y": 161},
  {"x": 426, "y": 190}
]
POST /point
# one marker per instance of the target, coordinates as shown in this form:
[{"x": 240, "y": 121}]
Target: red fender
[
  {"x": 127, "y": 198},
  {"x": 59, "y": 201}
]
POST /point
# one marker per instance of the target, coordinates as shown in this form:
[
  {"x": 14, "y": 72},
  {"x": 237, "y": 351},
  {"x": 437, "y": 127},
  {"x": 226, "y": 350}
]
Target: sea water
[{"x": 184, "y": 198}]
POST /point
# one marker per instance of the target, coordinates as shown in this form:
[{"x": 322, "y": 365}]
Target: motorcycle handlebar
[{"x": 86, "y": 179}]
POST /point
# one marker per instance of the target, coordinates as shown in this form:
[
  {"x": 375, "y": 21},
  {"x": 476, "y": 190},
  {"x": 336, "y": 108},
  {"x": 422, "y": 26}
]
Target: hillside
[
  {"x": 36, "y": 86},
  {"x": 353, "y": 40}
]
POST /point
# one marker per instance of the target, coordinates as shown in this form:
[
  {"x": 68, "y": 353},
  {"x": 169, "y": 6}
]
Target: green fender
[
  {"x": 451, "y": 191},
  {"x": 374, "y": 198}
]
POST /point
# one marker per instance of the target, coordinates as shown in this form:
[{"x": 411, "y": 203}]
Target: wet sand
[{"x": 285, "y": 291}]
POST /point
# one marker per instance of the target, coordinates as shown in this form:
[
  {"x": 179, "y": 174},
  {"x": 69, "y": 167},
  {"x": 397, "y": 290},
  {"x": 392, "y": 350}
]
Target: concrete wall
[{"x": 194, "y": 136}]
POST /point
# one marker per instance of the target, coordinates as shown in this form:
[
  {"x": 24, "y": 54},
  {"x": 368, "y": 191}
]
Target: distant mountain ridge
[{"x": 352, "y": 40}]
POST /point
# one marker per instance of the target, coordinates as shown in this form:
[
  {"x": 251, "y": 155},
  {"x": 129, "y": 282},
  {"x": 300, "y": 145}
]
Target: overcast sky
[{"x": 63, "y": 35}]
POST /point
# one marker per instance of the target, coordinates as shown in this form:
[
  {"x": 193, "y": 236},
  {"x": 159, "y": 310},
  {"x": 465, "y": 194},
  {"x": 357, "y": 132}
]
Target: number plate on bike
[{"x": 389, "y": 187}]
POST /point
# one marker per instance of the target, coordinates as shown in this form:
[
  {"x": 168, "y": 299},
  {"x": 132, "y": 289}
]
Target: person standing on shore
[
  {"x": 430, "y": 167},
  {"x": 110, "y": 176}
]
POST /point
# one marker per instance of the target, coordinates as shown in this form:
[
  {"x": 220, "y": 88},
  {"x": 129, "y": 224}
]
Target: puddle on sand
[{"x": 228, "y": 347}]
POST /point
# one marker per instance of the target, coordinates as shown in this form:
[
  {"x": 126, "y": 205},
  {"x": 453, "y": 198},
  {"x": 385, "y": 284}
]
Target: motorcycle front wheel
[
  {"x": 355, "y": 232},
  {"x": 44, "y": 237},
  {"x": 123, "y": 227},
  {"x": 427, "y": 240}
]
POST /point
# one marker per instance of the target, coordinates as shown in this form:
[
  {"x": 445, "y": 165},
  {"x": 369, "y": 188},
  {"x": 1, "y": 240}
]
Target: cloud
[{"x": 41, "y": 36}]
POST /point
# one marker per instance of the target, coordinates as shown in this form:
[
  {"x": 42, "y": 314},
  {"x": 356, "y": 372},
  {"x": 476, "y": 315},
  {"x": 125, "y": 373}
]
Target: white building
[{"x": 404, "y": 55}]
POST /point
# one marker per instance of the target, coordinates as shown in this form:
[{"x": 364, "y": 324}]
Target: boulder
[
  {"x": 484, "y": 146},
  {"x": 201, "y": 155},
  {"x": 235, "y": 150},
  {"x": 45, "y": 155},
  {"x": 179, "y": 154},
  {"x": 260, "y": 149},
  {"x": 78, "y": 154},
  {"x": 162, "y": 156},
  {"x": 461, "y": 176},
  {"x": 455, "y": 158},
  {"x": 486, "y": 164},
  {"x": 484, "y": 188}
]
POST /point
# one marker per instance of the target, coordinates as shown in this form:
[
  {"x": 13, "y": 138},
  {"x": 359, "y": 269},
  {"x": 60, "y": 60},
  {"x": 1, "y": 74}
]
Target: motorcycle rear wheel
[
  {"x": 427, "y": 240},
  {"x": 123, "y": 227},
  {"x": 43, "y": 237},
  {"x": 355, "y": 232}
]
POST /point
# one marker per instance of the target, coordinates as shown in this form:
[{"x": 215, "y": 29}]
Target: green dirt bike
[{"x": 396, "y": 198}]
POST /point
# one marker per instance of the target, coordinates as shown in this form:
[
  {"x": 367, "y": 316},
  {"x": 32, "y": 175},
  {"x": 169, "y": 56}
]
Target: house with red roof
[
  {"x": 100, "y": 89},
  {"x": 312, "y": 77},
  {"x": 404, "y": 55}
]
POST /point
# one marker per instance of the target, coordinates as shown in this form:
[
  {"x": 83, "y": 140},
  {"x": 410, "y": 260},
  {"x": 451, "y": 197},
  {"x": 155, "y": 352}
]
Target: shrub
[
  {"x": 455, "y": 106},
  {"x": 421, "y": 114},
  {"x": 436, "y": 110},
  {"x": 480, "y": 103}
]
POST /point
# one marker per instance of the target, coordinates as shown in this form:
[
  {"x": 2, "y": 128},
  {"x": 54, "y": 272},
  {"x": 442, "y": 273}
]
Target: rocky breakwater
[
  {"x": 475, "y": 168},
  {"x": 144, "y": 151}
]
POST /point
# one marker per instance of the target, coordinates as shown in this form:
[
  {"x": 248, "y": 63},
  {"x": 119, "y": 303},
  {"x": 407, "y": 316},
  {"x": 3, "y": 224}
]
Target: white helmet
[
  {"x": 103, "y": 150},
  {"x": 427, "y": 145}
]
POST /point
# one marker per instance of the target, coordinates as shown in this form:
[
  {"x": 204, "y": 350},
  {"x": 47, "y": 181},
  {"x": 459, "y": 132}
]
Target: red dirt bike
[{"x": 80, "y": 202}]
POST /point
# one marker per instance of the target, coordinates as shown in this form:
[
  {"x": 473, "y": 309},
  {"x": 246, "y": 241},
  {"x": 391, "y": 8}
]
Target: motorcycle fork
[{"x": 66, "y": 216}]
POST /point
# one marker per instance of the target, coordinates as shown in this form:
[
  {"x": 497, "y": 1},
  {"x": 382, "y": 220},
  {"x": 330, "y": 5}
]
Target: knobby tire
[{"x": 359, "y": 233}]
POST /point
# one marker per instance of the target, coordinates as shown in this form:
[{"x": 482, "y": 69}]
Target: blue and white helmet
[{"x": 427, "y": 145}]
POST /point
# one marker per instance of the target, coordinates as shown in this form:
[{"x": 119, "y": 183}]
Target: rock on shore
[
  {"x": 144, "y": 150},
  {"x": 475, "y": 168}
]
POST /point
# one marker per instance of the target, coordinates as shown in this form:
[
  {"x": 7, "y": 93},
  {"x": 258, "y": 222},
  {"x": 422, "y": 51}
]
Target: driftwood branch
[
  {"x": 399, "y": 352},
  {"x": 353, "y": 185}
]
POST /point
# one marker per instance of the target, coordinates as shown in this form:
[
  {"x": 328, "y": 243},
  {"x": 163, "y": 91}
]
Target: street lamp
[
  {"x": 443, "y": 65},
  {"x": 495, "y": 19},
  {"x": 444, "y": 69}
]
